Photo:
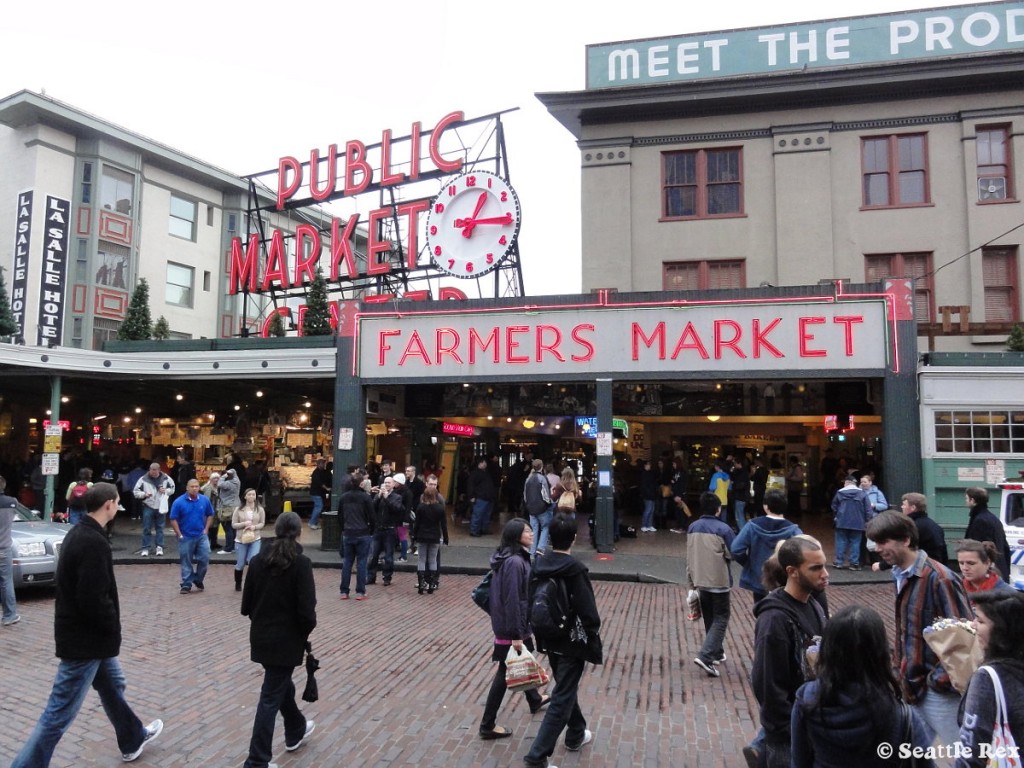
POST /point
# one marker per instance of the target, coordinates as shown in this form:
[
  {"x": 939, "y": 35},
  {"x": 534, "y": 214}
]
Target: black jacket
[
  {"x": 281, "y": 606},
  {"x": 930, "y": 537},
  {"x": 509, "y": 602},
  {"x": 481, "y": 486},
  {"x": 984, "y": 526},
  {"x": 355, "y": 507},
  {"x": 389, "y": 511},
  {"x": 584, "y": 642},
  {"x": 87, "y": 614},
  {"x": 431, "y": 524},
  {"x": 783, "y": 631}
]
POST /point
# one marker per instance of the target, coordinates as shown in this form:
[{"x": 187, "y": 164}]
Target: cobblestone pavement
[{"x": 402, "y": 682}]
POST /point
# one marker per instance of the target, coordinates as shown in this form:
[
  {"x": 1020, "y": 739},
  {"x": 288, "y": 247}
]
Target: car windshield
[{"x": 24, "y": 515}]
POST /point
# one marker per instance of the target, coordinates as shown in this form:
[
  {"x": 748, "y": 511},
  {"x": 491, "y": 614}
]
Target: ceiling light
[
  {"x": 238, "y": 407},
  {"x": 65, "y": 399},
  {"x": 127, "y": 419},
  {"x": 179, "y": 397},
  {"x": 529, "y": 423},
  {"x": 508, "y": 419},
  {"x": 713, "y": 417},
  {"x": 489, "y": 417},
  {"x": 138, "y": 410},
  {"x": 308, "y": 404},
  {"x": 259, "y": 393}
]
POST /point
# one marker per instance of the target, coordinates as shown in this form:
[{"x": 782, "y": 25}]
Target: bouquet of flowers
[{"x": 955, "y": 642}]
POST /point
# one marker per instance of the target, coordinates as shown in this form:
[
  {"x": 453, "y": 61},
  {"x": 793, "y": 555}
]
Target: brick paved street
[{"x": 402, "y": 682}]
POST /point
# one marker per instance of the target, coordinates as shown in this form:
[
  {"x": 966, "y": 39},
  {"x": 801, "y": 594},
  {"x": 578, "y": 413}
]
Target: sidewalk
[{"x": 652, "y": 557}]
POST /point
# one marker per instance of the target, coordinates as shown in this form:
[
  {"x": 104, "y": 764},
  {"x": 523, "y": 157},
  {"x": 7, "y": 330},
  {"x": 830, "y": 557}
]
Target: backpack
[
  {"x": 550, "y": 615},
  {"x": 77, "y": 494}
]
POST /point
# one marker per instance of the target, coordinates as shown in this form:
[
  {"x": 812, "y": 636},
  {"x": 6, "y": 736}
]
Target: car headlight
[{"x": 34, "y": 549}]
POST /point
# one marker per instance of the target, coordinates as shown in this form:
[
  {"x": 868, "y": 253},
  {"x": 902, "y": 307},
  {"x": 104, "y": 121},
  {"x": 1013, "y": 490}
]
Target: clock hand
[{"x": 470, "y": 223}]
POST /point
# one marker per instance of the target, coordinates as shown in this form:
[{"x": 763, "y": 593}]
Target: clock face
[{"x": 473, "y": 224}]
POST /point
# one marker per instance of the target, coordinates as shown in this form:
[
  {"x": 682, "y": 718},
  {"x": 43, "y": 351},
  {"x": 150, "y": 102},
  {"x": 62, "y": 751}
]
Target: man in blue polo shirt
[{"x": 191, "y": 515}]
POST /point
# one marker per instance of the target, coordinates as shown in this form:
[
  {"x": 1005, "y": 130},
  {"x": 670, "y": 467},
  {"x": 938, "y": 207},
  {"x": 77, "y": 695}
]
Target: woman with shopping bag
[{"x": 509, "y": 610}]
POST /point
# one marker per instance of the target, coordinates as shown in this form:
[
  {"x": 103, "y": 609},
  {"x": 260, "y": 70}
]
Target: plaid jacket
[{"x": 929, "y": 591}]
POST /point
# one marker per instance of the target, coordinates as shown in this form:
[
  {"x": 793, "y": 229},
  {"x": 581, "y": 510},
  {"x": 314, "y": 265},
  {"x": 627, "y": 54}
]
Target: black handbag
[{"x": 482, "y": 593}]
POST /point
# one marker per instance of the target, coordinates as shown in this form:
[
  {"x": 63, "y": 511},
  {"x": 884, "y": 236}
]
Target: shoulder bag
[
  {"x": 482, "y": 592},
  {"x": 1004, "y": 747}
]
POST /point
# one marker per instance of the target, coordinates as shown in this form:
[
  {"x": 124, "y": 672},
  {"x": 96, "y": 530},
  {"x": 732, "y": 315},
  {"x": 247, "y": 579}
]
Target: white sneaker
[
  {"x": 159, "y": 551},
  {"x": 144, "y": 553},
  {"x": 152, "y": 731},
  {"x": 310, "y": 727},
  {"x": 587, "y": 738}
]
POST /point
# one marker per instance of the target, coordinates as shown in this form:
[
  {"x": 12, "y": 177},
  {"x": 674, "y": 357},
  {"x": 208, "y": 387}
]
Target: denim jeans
[
  {"x": 197, "y": 549},
  {"x": 230, "y": 534},
  {"x": 72, "y": 683},
  {"x": 540, "y": 524},
  {"x": 75, "y": 515},
  {"x": 246, "y": 552},
  {"x": 939, "y": 711},
  {"x": 151, "y": 518},
  {"x": 355, "y": 548},
  {"x": 276, "y": 695},
  {"x": 715, "y": 608},
  {"x": 383, "y": 542},
  {"x": 563, "y": 713},
  {"x": 848, "y": 546},
  {"x": 481, "y": 519},
  {"x": 740, "y": 508},
  {"x": 647, "y": 517},
  {"x": 10, "y": 606},
  {"x": 496, "y": 694},
  {"x": 318, "y": 507},
  {"x": 428, "y": 560}
]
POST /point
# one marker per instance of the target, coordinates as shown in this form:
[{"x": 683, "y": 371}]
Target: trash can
[{"x": 330, "y": 532}]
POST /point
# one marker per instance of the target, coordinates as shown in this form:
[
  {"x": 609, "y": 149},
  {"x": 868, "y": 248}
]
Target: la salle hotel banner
[{"x": 667, "y": 338}]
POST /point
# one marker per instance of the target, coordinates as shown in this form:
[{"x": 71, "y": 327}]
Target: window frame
[
  {"x": 174, "y": 217},
  {"x": 191, "y": 288},
  {"x": 111, "y": 180},
  {"x": 1003, "y": 169},
  {"x": 701, "y": 184},
  {"x": 1008, "y": 285},
  {"x": 897, "y": 268},
  {"x": 893, "y": 172},
  {"x": 973, "y": 432},
  {"x": 704, "y": 268}
]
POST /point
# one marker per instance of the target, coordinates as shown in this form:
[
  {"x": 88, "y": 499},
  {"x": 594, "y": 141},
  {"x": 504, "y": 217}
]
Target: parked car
[{"x": 36, "y": 547}]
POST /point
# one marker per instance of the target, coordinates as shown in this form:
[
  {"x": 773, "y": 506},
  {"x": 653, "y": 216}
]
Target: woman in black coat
[
  {"x": 429, "y": 529},
  {"x": 280, "y": 600}
]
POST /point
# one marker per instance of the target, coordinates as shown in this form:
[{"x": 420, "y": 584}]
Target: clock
[{"x": 473, "y": 224}]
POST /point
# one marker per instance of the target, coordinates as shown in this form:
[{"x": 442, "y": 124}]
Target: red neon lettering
[
  {"x": 387, "y": 178},
  {"x": 689, "y": 339},
  {"x": 375, "y": 246},
  {"x": 657, "y": 335},
  {"x": 284, "y": 312},
  {"x": 806, "y": 337},
  {"x": 341, "y": 246},
  {"x": 415, "y": 348},
  {"x": 355, "y": 160},
  {"x": 412, "y": 212},
  {"x": 553, "y": 346},
  {"x": 415, "y": 137},
  {"x": 447, "y": 349},
  {"x": 448, "y": 166},
  {"x": 848, "y": 321},
  {"x": 760, "y": 338},
  {"x": 446, "y": 293},
  {"x": 382, "y": 344},
  {"x": 286, "y": 189},
  {"x": 422, "y": 295},
  {"x": 577, "y": 330},
  {"x": 511, "y": 345},
  {"x": 314, "y": 173},
  {"x": 733, "y": 343},
  {"x": 306, "y": 267},
  {"x": 244, "y": 271},
  {"x": 380, "y": 298},
  {"x": 277, "y": 263},
  {"x": 475, "y": 341}
]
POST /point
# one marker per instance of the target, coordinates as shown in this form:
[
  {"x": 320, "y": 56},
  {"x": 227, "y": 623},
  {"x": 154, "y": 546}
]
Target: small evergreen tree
[
  {"x": 8, "y": 326},
  {"x": 1015, "y": 341},
  {"x": 277, "y": 325},
  {"x": 162, "y": 329},
  {"x": 317, "y": 320},
  {"x": 138, "y": 323}
]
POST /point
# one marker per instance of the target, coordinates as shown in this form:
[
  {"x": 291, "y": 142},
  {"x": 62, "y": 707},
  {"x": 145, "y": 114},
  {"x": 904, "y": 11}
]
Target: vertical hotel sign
[
  {"x": 55, "y": 260},
  {"x": 22, "y": 244}
]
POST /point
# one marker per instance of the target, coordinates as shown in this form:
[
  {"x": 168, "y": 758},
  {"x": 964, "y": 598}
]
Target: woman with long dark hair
[
  {"x": 854, "y": 705},
  {"x": 280, "y": 600},
  {"x": 509, "y": 608},
  {"x": 999, "y": 622}
]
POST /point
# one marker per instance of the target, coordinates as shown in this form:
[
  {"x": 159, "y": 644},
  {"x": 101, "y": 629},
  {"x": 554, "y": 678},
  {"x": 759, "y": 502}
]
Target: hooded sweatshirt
[
  {"x": 756, "y": 543},
  {"x": 784, "y": 629},
  {"x": 852, "y": 508},
  {"x": 584, "y": 641}
]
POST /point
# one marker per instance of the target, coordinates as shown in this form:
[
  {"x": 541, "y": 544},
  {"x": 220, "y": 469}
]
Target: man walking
[
  {"x": 481, "y": 492},
  {"x": 8, "y": 505},
  {"x": 191, "y": 516},
  {"x": 925, "y": 590},
  {"x": 537, "y": 504},
  {"x": 319, "y": 488},
  {"x": 87, "y": 629},
  {"x": 707, "y": 570},
  {"x": 228, "y": 492},
  {"x": 154, "y": 489},
  {"x": 787, "y": 623},
  {"x": 356, "y": 511},
  {"x": 758, "y": 539},
  {"x": 985, "y": 526},
  {"x": 567, "y": 655},
  {"x": 852, "y": 510}
]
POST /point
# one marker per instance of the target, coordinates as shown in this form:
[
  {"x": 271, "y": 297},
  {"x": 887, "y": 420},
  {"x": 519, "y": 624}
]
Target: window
[
  {"x": 206, "y": 281},
  {"x": 117, "y": 190},
  {"x": 703, "y": 275},
  {"x": 979, "y": 431},
  {"x": 879, "y": 266},
  {"x": 994, "y": 167},
  {"x": 103, "y": 330},
  {"x": 999, "y": 274},
  {"x": 895, "y": 170},
  {"x": 702, "y": 183},
  {"x": 113, "y": 265},
  {"x": 86, "y": 183},
  {"x": 183, "y": 218},
  {"x": 209, "y": 215},
  {"x": 179, "y": 285}
]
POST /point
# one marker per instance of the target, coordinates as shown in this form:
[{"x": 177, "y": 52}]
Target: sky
[{"x": 239, "y": 85}]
